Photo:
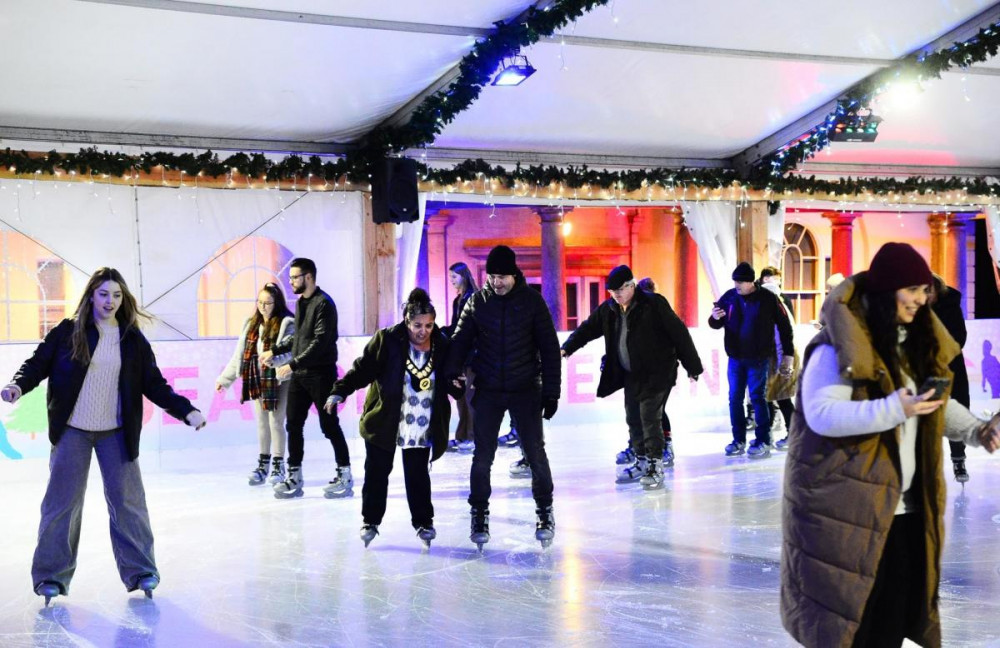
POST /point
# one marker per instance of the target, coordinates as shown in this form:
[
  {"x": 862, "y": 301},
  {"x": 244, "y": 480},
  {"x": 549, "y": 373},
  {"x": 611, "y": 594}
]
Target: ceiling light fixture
[{"x": 513, "y": 70}]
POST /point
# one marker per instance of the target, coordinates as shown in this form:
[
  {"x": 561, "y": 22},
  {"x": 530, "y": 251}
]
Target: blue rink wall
[{"x": 192, "y": 367}]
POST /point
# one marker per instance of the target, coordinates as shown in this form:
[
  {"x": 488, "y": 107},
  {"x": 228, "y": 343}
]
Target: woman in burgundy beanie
[{"x": 864, "y": 492}]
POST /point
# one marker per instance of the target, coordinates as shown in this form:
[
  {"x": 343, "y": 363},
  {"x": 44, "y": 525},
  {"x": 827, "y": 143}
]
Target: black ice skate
[
  {"x": 368, "y": 533},
  {"x": 480, "y": 531},
  {"x": 48, "y": 589},
  {"x": 545, "y": 526},
  {"x": 147, "y": 583},
  {"x": 426, "y": 534}
]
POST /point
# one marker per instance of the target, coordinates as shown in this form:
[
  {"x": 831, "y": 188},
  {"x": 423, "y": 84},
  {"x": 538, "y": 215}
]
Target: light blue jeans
[{"x": 62, "y": 506}]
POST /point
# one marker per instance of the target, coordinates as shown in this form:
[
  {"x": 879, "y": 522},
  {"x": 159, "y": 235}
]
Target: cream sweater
[{"x": 97, "y": 407}]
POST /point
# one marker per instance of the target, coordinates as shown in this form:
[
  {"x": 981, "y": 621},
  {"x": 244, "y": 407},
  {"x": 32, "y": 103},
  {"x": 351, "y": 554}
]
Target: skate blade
[
  {"x": 652, "y": 487},
  {"x": 367, "y": 542},
  {"x": 291, "y": 495},
  {"x": 149, "y": 593},
  {"x": 339, "y": 495},
  {"x": 546, "y": 543},
  {"x": 520, "y": 475},
  {"x": 47, "y": 599}
]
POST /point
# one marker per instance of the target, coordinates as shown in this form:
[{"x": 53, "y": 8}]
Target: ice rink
[{"x": 694, "y": 564}]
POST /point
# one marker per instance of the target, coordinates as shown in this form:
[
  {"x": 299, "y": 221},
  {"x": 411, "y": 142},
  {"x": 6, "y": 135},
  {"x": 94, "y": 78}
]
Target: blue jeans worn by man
[{"x": 752, "y": 373}]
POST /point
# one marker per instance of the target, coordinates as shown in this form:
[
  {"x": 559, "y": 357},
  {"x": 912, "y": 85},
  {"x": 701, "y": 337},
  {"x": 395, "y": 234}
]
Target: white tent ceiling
[{"x": 693, "y": 82}]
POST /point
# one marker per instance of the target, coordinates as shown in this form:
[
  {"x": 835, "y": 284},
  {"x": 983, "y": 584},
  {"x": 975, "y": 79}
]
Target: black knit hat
[
  {"x": 618, "y": 277},
  {"x": 898, "y": 265},
  {"x": 501, "y": 261},
  {"x": 743, "y": 272}
]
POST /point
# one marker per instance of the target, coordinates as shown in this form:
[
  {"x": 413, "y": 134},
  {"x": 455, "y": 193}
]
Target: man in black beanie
[
  {"x": 643, "y": 340},
  {"x": 518, "y": 370},
  {"x": 749, "y": 316}
]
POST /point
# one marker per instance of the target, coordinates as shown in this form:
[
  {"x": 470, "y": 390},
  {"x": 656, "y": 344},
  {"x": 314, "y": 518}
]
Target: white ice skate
[
  {"x": 653, "y": 478},
  {"x": 368, "y": 533},
  {"x": 292, "y": 486},
  {"x": 341, "y": 486},
  {"x": 426, "y": 534}
]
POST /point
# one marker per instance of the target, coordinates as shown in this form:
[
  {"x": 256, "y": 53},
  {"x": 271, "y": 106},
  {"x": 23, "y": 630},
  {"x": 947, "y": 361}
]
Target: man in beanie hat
[
  {"x": 517, "y": 370},
  {"x": 643, "y": 340},
  {"x": 864, "y": 491},
  {"x": 749, "y": 316}
]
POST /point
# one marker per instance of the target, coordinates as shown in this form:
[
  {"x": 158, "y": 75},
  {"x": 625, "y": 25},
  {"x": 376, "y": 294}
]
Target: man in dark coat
[
  {"x": 643, "y": 339},
  {"x": 749, "y": 315},
  {"x": 517, "y": 369}
]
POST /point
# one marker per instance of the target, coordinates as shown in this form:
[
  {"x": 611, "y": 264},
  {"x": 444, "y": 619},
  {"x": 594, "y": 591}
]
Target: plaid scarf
[{"x": 257, "y": 383}]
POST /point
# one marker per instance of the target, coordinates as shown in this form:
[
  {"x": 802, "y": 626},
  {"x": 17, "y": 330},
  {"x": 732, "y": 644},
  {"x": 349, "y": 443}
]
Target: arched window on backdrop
[
  {"x": 801, "y": 271},
  {"x": 229, "y": 284},
  {"x": 33, "y": 289}
]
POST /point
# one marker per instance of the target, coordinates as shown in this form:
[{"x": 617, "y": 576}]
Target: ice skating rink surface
[{"x": 694, "y": 564}]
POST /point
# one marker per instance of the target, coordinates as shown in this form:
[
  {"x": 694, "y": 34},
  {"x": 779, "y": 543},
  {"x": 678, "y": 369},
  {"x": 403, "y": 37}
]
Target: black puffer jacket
[
  {"x": 516, "y": 348},
  {"x": 314, "y": 345},
  {"x": 948, "y": 308},
  {"x": 656, "y": 339},
  {"x": 139, "y": 377},
  {"x": 457, "y": 305},
  {"x": 382, "y": 365},
  {"x": 763, "y": 308}
]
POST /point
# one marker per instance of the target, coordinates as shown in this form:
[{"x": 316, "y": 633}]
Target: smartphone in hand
[{"x": 937, "y": 384}]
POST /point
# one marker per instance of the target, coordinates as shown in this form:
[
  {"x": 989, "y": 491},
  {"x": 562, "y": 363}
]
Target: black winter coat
[
  {"x": 382, "y": 365},
  {"x": 314, "y": 345},
  {"x": 656, "y": 339},
  {"x": 457, "y": 305},
  {"x": 948, "y": 308},
  {"x": 139, "y": 377},
  {"x": 769, "y": 313},
  {"x": 516, "y": 348}
]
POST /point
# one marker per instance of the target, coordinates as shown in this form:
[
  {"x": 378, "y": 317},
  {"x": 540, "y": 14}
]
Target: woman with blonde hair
[
  {"x": 271, "y": 321},
  {"x": 99, "y": 366}
]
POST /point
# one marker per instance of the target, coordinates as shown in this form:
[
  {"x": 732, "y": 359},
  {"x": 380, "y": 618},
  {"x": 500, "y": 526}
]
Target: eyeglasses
[
  {"x": 270, "y": 303},
  {"x": 292, "y": 277}
]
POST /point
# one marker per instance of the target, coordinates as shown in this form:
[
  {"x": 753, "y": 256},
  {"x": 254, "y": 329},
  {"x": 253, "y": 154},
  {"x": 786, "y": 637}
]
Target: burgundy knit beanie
[{"x": 897, "y": 265}]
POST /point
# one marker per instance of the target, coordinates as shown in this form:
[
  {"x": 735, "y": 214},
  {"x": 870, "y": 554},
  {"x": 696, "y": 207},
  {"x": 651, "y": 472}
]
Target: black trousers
[
  {"x": 894, "y": 605},
  {"x": 526, "y": 409},
  {"x": 308, "y": 388},
  {"x": 644, "y": 417},
  {"x": 416, "y": 476},
  {"x": 787, "y": 408}
]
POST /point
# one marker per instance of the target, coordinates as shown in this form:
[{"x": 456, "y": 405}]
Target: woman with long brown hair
[
  {"x": 465, "y": 286},
  {"x": 271, "y": 321},
  {"x": 864, "y": 495},
  {"x": 99, "y": 366}
]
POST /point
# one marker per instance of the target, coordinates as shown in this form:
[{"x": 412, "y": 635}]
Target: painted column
[
  {"x": 949, "y": 249},
  {"x": 553, "y": 263},
  {"x": 685, "y": 272},
  {"x": 842, "y": 240},
  {"x": 751, "y": 234},
  {"x": 635, "y": 218},
  {"x": 437, "y": 222}
]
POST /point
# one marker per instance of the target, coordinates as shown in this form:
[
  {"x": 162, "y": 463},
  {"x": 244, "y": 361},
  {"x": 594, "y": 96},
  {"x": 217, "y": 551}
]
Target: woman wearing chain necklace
[{"x": 405, "y": 407}]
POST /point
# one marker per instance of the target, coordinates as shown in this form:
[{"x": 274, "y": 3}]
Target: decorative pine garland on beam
[{"x": 916, "y": 68}]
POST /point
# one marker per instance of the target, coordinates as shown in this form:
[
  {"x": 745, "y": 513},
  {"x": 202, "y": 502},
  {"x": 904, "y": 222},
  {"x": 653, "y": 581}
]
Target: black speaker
[{"x": 394, "y": 191}]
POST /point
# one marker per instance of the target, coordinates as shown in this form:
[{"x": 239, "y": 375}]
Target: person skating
[
  {"x": 643, "y": 341},
  {"x": 313, "y": 370},
  {"x": 99, "y": 367},
  {"x": 749, "y": 316},
  {"x": 465, "y": 286},
  {"x": 946, "y": 302},
  {"x": 271, "y": 321},
  {"x": 770, "y": 279},
  {"x": 517, "y": 368},
  {"x": 406, "y": 407}
]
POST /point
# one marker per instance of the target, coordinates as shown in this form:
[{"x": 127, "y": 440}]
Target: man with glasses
[
  {"x": 313, "y": 371},
  {"x": 643, "y": 341},
  {"x": 517, "y": 369}
]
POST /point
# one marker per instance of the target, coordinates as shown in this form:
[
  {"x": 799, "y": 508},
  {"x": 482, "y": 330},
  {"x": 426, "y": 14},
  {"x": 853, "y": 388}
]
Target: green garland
[
  {"x": 918, "y": 67},
  {"x": 476, "y": 70}
]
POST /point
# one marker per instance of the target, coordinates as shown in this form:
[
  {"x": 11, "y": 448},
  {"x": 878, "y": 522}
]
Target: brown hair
[
  {"x": 128, "y": 315},
  {"x": 280, "y": 312}
]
